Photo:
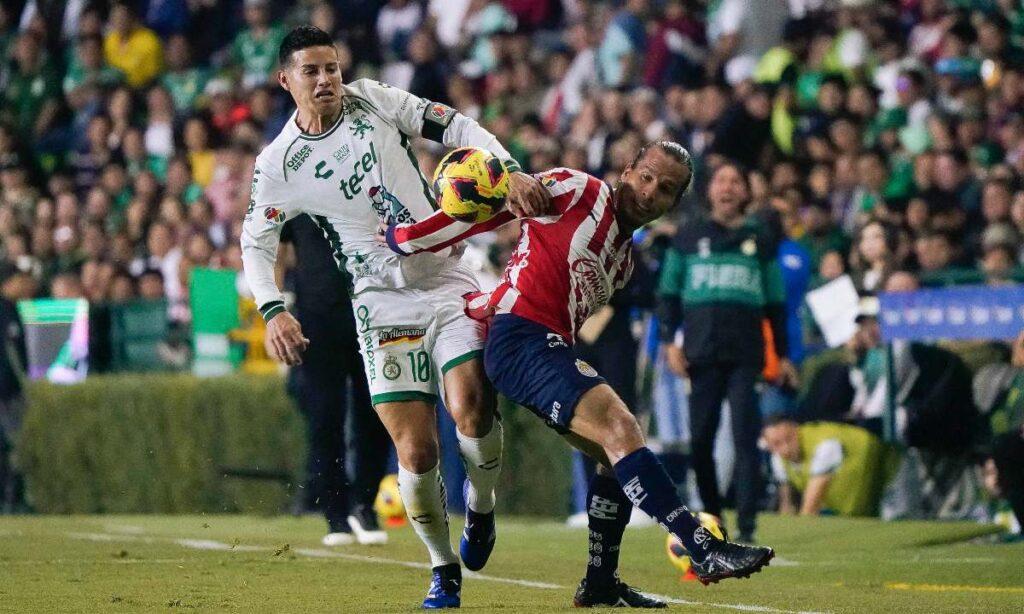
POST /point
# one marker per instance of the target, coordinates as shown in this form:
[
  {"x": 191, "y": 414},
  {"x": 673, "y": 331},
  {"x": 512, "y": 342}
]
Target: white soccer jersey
[{"x": 349, "y": 179}]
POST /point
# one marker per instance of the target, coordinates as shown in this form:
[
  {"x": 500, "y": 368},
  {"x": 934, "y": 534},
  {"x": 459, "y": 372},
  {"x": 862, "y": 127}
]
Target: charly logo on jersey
[
  {"x": 299, "y": 157},
  {"x": 389, "y": 209},
  {"x": 400, "y": 334},
  {"x": 391, "y": 369},
  {"x": 585, "y": 369},
  {"x": 274, "y": 215},
  {"x": 320, "y": 174}
]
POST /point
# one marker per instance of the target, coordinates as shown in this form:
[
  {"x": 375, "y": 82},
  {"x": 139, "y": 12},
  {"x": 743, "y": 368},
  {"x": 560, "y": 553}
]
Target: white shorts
[{"x": 411, "y": 337}]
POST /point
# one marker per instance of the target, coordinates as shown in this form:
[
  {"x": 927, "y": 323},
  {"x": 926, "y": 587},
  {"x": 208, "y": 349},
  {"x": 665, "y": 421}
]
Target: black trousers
[
  {"x": 1008, "y": 452},
  {"x": 348, "y": 445},
  {"x": 710, "y": 385}
]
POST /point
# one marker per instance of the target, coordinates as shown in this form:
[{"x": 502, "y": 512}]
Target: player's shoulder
[
  {"x": 272, "y": 162},
  {"x": 564, "y": 178}
]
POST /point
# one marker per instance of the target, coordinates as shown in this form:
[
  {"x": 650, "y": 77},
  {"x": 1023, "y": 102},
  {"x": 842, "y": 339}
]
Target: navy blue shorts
[{"x": 536, "y": 368}]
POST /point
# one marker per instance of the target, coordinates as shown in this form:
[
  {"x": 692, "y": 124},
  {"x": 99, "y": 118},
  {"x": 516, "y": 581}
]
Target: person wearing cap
[{"x": 932, "y": 394}]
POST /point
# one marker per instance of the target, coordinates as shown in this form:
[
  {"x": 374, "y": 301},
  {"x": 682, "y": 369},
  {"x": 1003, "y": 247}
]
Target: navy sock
[
  {"x": 648, "y": 486},
  {"x": 608, "y": 512}
]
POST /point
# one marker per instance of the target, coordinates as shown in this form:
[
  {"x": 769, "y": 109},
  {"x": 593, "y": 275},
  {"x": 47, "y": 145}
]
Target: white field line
[{"x": 206, "y": 544}]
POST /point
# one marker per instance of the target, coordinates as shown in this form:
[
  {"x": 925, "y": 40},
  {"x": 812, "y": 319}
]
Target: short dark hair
[
  {"x": 675, "y": 151},
  {"x": 299, "y": 38}
]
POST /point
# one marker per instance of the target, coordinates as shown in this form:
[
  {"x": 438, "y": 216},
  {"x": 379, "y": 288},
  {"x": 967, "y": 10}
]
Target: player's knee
[
  {"x": 623, "y": 431},
  {"x": 417, "y": 459},
  {"x": 471, "y": 411}
]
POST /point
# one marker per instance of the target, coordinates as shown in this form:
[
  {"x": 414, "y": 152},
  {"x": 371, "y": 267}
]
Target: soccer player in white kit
[{"x": 344, "y": 159}]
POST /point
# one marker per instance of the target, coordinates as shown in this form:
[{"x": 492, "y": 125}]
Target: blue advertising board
[{"x": 970, "y": 312}]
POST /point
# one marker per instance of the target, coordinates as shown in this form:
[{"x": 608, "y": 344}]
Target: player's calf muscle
[
  {"x": 603, "y": 418},
  {"x": 469, "y": 398}
]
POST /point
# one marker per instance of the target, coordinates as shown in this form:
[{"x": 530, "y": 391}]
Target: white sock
[
  {"x": 424, "y": 498},
  {"x": 482, "y": 458}
]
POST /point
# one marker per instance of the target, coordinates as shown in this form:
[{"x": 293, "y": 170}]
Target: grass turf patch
[{"x": 276, "y": 564}]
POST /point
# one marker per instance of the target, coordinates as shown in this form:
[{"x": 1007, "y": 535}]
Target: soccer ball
[
  {"x": 471, "y": 184},
  {"x": 678, "y": 555},
  {"x": 388, "y": 503}
]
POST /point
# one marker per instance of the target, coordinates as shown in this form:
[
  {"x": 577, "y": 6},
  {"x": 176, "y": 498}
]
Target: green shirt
[
  {"x": 26, "y": 94},
  {"x": 257, "y": 55},
  {"x": 185, "y": 87},
  {"x": 78, "y": 76}
]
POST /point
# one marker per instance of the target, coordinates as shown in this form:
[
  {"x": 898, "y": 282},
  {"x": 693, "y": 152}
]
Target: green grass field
[{"x": 251, "y": 564}]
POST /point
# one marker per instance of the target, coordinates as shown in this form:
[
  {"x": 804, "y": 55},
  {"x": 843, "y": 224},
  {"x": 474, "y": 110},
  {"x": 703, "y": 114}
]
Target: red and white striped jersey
[{"x": 567, "y": 264}]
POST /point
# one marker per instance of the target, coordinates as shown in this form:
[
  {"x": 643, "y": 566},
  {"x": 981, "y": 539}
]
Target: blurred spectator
[
  {"x": 255, "y": 48},
  {"x": 131, "y": 47},
  {"x": 31, "y": 96},
  {"x": 184, "y": 81}
]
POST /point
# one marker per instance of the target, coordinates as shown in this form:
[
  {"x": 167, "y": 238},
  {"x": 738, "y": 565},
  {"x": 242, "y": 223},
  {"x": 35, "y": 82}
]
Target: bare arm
[{"x": 814, "y": 495}]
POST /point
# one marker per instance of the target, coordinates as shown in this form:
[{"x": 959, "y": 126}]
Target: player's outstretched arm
[
  {"x": 436, "y": 232},
  {"x": 261, "y": 236}
]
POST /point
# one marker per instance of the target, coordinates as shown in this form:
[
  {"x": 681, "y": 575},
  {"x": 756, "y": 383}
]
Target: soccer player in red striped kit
[{"x": 567, "y": 265}]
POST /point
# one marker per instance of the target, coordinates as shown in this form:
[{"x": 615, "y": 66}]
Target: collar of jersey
[{"x": 322, "y": 135}]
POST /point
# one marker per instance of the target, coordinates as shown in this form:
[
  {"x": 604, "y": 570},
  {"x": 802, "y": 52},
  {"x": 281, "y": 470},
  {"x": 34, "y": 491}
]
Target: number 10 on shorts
[{"x": 419, "y": 365}]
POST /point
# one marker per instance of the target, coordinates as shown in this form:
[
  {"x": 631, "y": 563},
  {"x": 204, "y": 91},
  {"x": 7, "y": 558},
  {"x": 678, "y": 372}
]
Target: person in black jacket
[
  {"x": 13, "y": 358},
  {"x": 332, "y": 393},
  {"x": 720, "y": 281}
]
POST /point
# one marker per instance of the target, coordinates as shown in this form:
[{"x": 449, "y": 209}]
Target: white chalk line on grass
[{"x": 208, "y": 544}]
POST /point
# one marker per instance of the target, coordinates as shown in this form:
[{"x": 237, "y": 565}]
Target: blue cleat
[
  {"x": 445, "y": 588},
  {"x": 477, "y": 538}
]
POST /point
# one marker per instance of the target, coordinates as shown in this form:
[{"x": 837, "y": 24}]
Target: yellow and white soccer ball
[
  {"x": 678, "y": 555},
  {"x": 388, "y": 504},
  {"x": 471, "y": 184}
]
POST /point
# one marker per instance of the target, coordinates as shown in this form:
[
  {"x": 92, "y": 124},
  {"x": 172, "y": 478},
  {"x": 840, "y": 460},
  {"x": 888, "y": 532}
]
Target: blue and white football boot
[
  {"x": 445, "y": 588},
  {"x": 477, "y": 538}
]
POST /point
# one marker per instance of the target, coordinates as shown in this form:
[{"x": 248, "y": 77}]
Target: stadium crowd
[{"x": 885, "y": 140}]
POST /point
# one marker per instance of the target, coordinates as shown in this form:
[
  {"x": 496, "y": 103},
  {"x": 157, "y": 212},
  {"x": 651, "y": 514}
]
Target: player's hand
[
  {"x": 526, "y": 196},
  {"x": 284, "y": 335},
  {"x": 675, "y": 358}
]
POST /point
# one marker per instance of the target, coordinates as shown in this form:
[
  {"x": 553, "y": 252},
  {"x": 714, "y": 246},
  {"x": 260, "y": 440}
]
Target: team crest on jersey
[
  {"x": 585, "y": 369},
  {"x": 440, "y": 113},
  {"x": 360, "y": 126},
  {"x": 391, "y": 369},
  {"x": 274, "y": 215},
  {"x": 749, "y": 247}
]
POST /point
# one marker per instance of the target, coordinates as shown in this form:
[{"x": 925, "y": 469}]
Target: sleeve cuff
[
  {"x": 389, "y": 235},
  {"x": 512, "y": 166},
  {"x": 271, "y": 309}
]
